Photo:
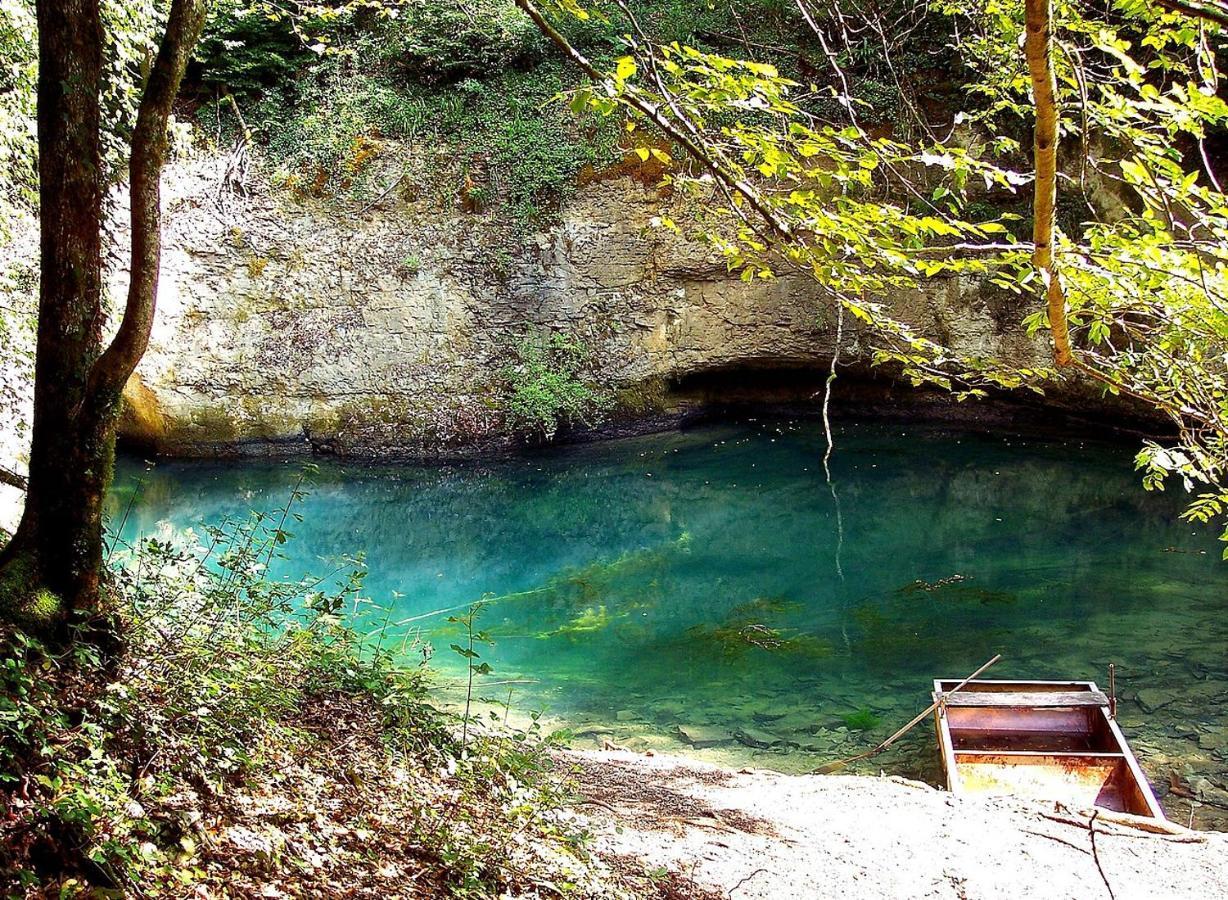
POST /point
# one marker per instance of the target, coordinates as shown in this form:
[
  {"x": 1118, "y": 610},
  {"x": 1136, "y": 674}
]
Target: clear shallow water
[{"x": 704, "y": 592}]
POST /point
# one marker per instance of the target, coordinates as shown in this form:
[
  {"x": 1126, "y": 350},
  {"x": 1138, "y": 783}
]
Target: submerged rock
[
  {"x": 1216, "y": 741},
  {"x": 593, "y": 732},
  {"x": 700, "y": 736},
  {"x": 764, "y": 718},
  {"x": 755, "y": 737},
  {"x": 1151, "y": 699}
]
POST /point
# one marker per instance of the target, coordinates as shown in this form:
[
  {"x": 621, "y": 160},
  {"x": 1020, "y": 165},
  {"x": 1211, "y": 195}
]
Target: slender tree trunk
[
  {"x": 1038, "y": 47},
  {"x": 53, "y": 564}
]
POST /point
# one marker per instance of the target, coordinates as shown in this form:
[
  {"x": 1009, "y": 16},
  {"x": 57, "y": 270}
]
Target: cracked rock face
[{"x": 384, "y": 328}]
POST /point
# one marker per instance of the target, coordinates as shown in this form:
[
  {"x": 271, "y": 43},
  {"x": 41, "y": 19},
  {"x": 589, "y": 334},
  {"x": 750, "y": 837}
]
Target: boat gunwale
[{"x": 1060, "y": 754}]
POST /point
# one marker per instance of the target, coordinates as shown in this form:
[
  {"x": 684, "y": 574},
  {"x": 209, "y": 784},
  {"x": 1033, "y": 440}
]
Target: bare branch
[
  {"x": 13, "y": 479},
  {"x": 653, "y": 113}
]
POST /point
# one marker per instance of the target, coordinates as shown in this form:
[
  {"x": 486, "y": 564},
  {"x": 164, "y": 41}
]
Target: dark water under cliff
[{"x": 705, "y": 592}]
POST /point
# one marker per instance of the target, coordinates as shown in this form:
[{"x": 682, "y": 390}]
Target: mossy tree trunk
[{"x": 53, "y": 564}]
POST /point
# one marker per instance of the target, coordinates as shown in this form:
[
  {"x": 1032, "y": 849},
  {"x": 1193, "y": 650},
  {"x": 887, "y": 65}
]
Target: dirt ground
[{"x": 764, "y": 835}]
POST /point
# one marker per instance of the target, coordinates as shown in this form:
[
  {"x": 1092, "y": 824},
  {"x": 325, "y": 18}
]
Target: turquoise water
[{"x": 706, "y": 592}]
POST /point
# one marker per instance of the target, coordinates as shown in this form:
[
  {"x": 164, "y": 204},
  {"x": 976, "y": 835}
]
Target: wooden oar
[{"x": 840, "y": 764}]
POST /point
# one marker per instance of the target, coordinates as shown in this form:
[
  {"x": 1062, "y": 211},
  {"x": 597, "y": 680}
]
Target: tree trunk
[
  {"x": 53, "y": 564},
  {"x": 55, "y": 554},
  {"x": 1038, "y": 48}
]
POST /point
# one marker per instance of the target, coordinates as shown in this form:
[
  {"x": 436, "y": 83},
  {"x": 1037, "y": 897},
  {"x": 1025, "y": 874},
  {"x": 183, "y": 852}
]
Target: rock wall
[{"x": 383, "y": 327}]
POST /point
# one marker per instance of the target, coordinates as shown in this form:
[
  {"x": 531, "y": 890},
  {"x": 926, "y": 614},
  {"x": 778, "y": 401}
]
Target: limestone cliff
[{"x": 383, "y": 327}]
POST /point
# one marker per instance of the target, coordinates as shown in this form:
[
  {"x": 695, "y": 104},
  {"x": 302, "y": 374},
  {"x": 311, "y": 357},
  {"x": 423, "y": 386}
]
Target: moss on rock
[
  {"x": 23, "y": 602},
  {"x": 141, "y": 420},
  {"x": 648, "y": 396}
]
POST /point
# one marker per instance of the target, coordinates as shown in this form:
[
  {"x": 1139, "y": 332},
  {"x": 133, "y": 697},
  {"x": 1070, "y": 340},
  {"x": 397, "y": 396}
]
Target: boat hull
[{"x": 1040, "y": 740}]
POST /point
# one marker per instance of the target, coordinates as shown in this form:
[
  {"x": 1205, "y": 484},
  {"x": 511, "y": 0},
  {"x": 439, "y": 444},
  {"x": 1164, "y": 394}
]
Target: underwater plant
[{"x": 861, "y": 720}]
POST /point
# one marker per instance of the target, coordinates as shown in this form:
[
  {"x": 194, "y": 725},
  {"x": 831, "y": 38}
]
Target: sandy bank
[{"x": 765, "y": 835}]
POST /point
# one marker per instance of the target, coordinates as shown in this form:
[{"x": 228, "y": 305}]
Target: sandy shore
[{"x": 757, "y": 834}]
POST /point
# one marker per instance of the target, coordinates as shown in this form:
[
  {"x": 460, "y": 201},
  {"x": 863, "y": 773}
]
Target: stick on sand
[{"x": 840, "y": 764}]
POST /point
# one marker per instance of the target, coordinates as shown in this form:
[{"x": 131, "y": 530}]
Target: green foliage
[
  {"x": 18, "y": 142},
  {"x": 246, "y": 52},
  {"x": 1209, "y": 508},
  {"x": 324, "y": 140},
  {"x": 222, "y": 664},
  {"x": 482, "y": 850},
  {"x": 1147, "y": 290},
  {"x": 548, "y": 386},
  {"x": 219, "y": 660},
  {"x": 434, "y": 43},
  {"x": 472, "y": 78},
  {"x": 1145, "y": 287},
  {"x": 536, "y": 157},
  {"x": 130, "y": 32},
  {"x": 471, "y": 656},
  {"x": 18, "y": 287},
  {"x": 760, "y": 25},
  {"x": 515, "y": 148}
]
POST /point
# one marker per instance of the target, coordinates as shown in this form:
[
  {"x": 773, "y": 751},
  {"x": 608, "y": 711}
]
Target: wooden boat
[{"x": 1042, "y": 740}]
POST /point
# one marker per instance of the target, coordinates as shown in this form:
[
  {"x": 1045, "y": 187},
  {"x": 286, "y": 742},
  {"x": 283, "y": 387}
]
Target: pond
[{"x": 709, "y": 592}]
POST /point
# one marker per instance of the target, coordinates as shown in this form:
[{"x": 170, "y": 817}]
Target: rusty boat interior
[{"x": 1039, "y": 740}]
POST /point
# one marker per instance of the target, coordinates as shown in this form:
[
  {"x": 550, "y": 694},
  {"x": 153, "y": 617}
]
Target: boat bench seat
[{"x": 1048, "y": 699}]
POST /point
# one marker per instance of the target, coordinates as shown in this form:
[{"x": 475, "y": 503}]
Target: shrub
[
  {"x": 434, "y": 42},
  {"x": 246, "y": 51},
  {"x": 534, "y": 147},
  {"x": 323, "y": 141},
  {"x": 547, "y": 387},
  {"x": 18, "y": 141},
  {"x": 219, "y": 657},
  {"x": 529, "y": 151},
  {"x": 135, "y": 770}
]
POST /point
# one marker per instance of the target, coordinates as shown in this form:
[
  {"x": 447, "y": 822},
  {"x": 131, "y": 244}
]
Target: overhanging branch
[
  {"x": 650, "y": 110},
  {"x": 1209, "y": 11}
]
